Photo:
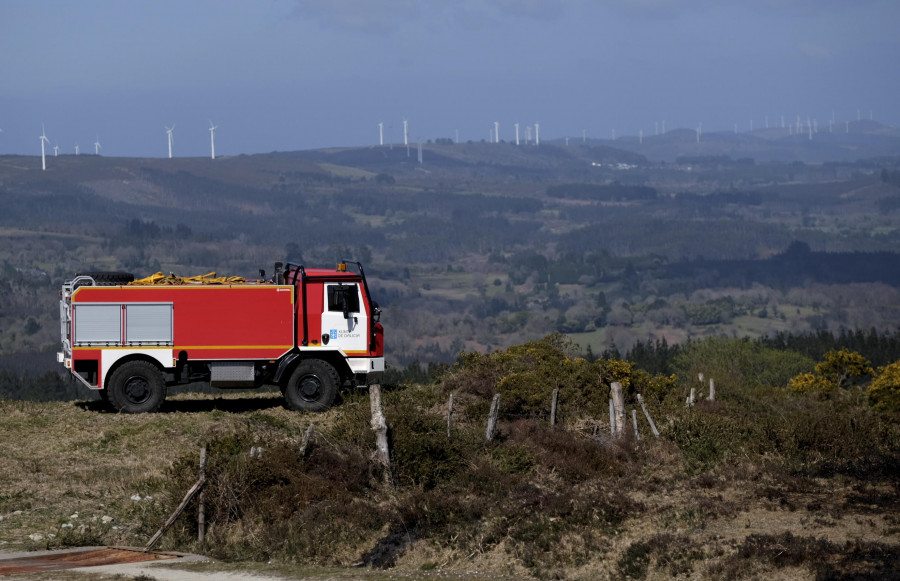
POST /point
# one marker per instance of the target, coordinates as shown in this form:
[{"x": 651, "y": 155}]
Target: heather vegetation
[{"x": 765, "y": 480}]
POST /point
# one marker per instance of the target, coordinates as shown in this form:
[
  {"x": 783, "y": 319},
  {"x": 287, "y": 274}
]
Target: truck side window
[{"x": 338, "y": 293}]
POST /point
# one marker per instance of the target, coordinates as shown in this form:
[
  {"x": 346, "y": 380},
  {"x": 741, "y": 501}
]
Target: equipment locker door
[{"x": 343, "y": 320}]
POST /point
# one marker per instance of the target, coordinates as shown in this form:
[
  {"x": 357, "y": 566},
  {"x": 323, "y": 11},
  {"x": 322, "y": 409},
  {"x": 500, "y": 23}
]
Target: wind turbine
[
  {"x": 169, "y": 132},
  {"x": 699, "y": 131},
  {"x": 516, "y": 125},
  {"x": 97, "y": 147},
  {"x": 496, "y": 132},
  {"x": 76, "y": 149},
  {"x": 212, "y": 140},
  {"x": 537, "y": 133},
  {"x": 381, "y": 133},
  {"x": 56, "y": 150},
  {"x": 406, "y": 133},
  {"x": 44, "y": 141}
]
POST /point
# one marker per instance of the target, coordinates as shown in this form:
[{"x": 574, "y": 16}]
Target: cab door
[{"x": 343, "y": 321}]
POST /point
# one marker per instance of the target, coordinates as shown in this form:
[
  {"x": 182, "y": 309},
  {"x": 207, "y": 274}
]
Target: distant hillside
[
  {"x": 844, "y": 142},
  {"x": 481, "y": 245}
]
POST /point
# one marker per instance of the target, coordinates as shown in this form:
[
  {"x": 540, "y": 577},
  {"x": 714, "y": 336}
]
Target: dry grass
[{"x": 63, "y": 459}]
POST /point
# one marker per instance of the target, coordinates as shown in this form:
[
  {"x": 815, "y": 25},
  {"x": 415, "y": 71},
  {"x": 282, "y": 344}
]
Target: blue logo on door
[{"x": 333, "y": 333}]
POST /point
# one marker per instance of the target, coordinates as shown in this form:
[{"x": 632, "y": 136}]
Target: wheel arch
[
  {"x": 333, "y": 358},
  {"x": 110, "y": 368}
]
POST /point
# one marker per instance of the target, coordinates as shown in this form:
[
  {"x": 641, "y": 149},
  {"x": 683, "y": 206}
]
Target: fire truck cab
[{"x": 308, "y": 331}]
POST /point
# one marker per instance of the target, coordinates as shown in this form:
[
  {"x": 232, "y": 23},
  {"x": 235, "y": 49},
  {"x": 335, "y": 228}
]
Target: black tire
[
  {"x": 108, "y": 277},
  {"x": 137, "y": 387},
  {"x": 312, "y": 387}
]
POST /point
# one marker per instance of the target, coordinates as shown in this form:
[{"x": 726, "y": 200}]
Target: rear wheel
[
  {"x": 313, "y": 386},
  {"x": 137, "y": 387}
]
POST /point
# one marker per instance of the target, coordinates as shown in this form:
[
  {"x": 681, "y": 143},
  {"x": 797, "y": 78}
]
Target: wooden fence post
[
  {"x": 712, "y": 389},
  {"x": 612, "y": 419},
  {"x": 449, "y": 413},
  {"x": 307, "y": 441},
  {"x": 201, "y": 500},
  {"x": 618, "y": 398},
  {"x": 379, "y": 426},
  {"x": 184, "y": 502},
  {"x": 637, "y": 434},
  {"x": 553, "y": 404},
  {"x": 647, "y": 414},
  {"x": 492, "y": 418}
]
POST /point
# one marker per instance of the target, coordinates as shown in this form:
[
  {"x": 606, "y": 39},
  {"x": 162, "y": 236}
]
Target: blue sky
[{"x": 280, "y": 75}]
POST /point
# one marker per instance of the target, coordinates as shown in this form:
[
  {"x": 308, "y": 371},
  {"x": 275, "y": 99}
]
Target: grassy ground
[{"x": 539, "y": 503}]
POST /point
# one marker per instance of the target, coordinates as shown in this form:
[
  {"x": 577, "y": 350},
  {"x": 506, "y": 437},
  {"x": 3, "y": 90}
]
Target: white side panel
[
  {"x": 163, "y": 355},
  {"x": 365, "y": 364}
]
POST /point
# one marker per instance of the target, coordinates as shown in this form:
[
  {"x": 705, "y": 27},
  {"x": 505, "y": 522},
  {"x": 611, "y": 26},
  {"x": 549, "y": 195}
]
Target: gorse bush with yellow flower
[{"x": 839, "y": 369}]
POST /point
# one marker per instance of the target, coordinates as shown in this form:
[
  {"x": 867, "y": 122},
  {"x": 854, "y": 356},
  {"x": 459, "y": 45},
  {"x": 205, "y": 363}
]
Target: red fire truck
[{"x": 308, "y": 331}]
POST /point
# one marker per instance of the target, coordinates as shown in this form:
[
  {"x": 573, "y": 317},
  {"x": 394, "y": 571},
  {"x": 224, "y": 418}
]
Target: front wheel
[
  {"x": 137, "y": 387},
  {"x": 312, "y": 387}
]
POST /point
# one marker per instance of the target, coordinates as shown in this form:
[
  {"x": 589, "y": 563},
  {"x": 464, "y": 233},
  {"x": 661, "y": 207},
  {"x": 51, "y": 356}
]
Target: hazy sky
[{"x": 279, "y": 75}]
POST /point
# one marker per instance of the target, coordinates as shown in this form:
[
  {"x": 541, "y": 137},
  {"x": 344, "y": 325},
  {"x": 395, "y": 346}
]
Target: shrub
[
  {"x": 836, "y": 371},
  {"x": 840, "y": 366},
  {"x": 884, "y": 391},
  {"x": 810, "y": 383},
  {"x": 421, "y": 453}
]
